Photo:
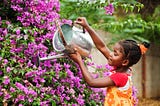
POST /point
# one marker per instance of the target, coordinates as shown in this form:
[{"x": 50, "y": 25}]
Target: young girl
[{"x": 125, "y": 54}]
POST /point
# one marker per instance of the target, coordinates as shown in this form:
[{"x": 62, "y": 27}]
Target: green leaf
[
  {"x": 17, "y": 79},
  {"x": 25, "y": 31},
  {"x": 131, "y": 8},
  {"x": 53, "y": 102}
]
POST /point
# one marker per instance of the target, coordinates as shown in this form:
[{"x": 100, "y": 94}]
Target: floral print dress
[{"x": 120, "y": 96}]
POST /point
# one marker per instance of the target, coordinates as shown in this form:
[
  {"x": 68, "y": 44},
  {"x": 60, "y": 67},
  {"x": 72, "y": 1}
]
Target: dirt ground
[{"x": 149, "y": 102}]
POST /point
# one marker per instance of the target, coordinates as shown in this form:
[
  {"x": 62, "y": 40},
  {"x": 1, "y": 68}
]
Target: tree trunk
[{"x": 149, "y": 7}]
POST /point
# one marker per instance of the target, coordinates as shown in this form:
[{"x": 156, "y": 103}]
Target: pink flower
[
  {"x": 21, "y": 97},
  {"x": 5, "y": 32},
  {"x": 18, "y": 31},
  {"x": 8, "y": 69},
  {"x": 108, "y": 67},
  {"x": 8, "y": 23},
  {"x": 109, "y": 9},
  {"x": 1, "y": 72},
  {"x": 12, "y": 89},
  {"x": 6, "y": 80},
  {"x": 7, "y": 96},
  {"x": 5, "y": 61},
  {"x": 0, "y": 58}
]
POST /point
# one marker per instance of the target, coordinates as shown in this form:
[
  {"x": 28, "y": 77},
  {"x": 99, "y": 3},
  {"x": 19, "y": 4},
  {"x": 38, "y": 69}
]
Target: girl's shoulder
[{"x": 120, "y": 79}]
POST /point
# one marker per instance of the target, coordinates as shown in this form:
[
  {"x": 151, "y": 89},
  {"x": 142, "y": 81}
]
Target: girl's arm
[
  {"x": 98, "y": 82},
  {"x": 100, "y": 45}
]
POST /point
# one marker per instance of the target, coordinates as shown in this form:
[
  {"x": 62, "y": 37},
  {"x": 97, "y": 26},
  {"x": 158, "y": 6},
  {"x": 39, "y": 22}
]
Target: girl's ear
[{"x": 125, "y": 62}]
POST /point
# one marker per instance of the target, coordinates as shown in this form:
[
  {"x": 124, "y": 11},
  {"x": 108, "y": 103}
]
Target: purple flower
[
  {"x": 5, "y": 32},
  {"x": 1, "y": 72},
  {"x": 75, "y": 105},
  {"x": 30, "y": 74},
  {"x": 8, "y": 69},
  {"x": 20, "y": 86},
  {"x": 99, "y": 66},
  {"x": 6, "y": 80},
  {"x": 57, "y": 67},
  {"x": 90, "y": 63},
  {"x": 67, "y": 98},
  {"x": 109, "y": 9},
  {"x": 67, "y": 21},
  {"x": 12, "y": 89},
  {"x": 0, "y": 58},
  {"x": 29, "y": 64},
  {"x": 8, "y": 23},
  {"x": 5, "y": 61},
  {"x": 108, "y": 67},
  {"x": 67, "y": 66},
  {"x": 106, "y": 73},
  {"x": 21, "y": 97},
  {"x": 1, "y": 93},
  {"x": 42, "y": 80},
  {"x": 18, "y": 31},
  {"x": 80, "y": 100},
  {"x": 7, "y": 96},
  {"x": 1, "y": 38},
  {"x": 13, "y": 42},
  {"x": 47, "y": 64},
  {"x": 96, "y": 75},
  {"x": 44, "y": 103},
  {"x": 32, "y": 92},
  {"x": 21, "y": 60},
  {"x": 70, "y": 73},
  {"x": 30, "y": 100},
  {"x": 52, "y": 92}
]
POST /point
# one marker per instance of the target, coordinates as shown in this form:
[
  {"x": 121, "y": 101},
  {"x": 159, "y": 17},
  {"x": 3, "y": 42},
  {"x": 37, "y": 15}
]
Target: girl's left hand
[{"x": 76, "y": 57}]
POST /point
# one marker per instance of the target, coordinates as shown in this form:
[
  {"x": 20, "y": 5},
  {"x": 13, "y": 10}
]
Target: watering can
[{"x": 68, "y": 37}]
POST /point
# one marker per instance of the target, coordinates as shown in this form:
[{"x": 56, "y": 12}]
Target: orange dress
[{"x": 120, "y": 96}]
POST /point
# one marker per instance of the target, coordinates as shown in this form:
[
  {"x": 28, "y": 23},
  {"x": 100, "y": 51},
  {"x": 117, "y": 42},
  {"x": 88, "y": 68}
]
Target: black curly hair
[{"x": 132, "y": 51}]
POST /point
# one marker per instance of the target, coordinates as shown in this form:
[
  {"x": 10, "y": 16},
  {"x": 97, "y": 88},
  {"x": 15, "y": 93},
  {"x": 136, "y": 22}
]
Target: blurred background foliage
[{"x": 135, "y": 19}]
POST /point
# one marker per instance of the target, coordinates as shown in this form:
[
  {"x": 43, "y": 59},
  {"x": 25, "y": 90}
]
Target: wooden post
[{"x": 144, "y": 76}]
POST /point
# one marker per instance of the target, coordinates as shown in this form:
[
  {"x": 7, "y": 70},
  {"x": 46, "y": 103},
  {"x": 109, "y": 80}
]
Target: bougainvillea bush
[{"x": 54, "y": 82}]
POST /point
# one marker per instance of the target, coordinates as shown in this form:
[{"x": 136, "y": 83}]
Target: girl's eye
[{"x": 115, "y": 53}]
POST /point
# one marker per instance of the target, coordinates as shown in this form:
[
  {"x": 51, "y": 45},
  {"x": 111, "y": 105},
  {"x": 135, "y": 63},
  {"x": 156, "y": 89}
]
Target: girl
[{"x": 125, "y": 54}]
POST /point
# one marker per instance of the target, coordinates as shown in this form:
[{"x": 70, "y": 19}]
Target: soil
[{"x": 149, "y": 102}]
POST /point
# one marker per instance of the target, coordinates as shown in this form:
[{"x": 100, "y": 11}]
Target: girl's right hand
[
  {"x": 76, "y": 57},
  {"x": 82, "y": 21}
]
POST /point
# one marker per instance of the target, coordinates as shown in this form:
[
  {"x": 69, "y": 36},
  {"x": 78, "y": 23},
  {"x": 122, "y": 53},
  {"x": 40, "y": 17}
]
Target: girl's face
[{"x": 116, "y": 56}]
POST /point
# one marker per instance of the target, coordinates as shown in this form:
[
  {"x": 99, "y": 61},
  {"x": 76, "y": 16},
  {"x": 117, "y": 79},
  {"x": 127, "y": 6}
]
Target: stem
[{"x": 108, "y": 1}]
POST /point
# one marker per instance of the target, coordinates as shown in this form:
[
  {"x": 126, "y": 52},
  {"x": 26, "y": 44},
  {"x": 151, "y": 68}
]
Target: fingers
[{"x": 79, "y": 20}]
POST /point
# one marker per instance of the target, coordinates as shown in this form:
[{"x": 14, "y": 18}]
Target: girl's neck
[{"x": 121, "y": 69}]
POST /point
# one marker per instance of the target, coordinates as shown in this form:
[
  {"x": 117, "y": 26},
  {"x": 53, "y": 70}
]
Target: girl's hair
[{"x": 133, "y": 51}]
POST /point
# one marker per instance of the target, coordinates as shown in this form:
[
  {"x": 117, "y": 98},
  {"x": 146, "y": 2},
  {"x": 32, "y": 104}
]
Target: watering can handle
[
  {"x": 61, "y": 33},
  {"x": 77, "y": 25},
  {"x": 83, "y": 30}
]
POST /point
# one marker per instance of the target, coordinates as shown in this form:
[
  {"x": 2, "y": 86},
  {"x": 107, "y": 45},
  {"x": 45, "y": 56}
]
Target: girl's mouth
[{"x": 109, "y": 60}]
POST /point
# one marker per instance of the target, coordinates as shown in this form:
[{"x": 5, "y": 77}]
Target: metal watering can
[{"x": 68, "y": 37}]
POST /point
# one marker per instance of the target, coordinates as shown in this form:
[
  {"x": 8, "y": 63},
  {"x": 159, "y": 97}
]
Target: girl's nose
[{"x": 111, "y": 54}]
